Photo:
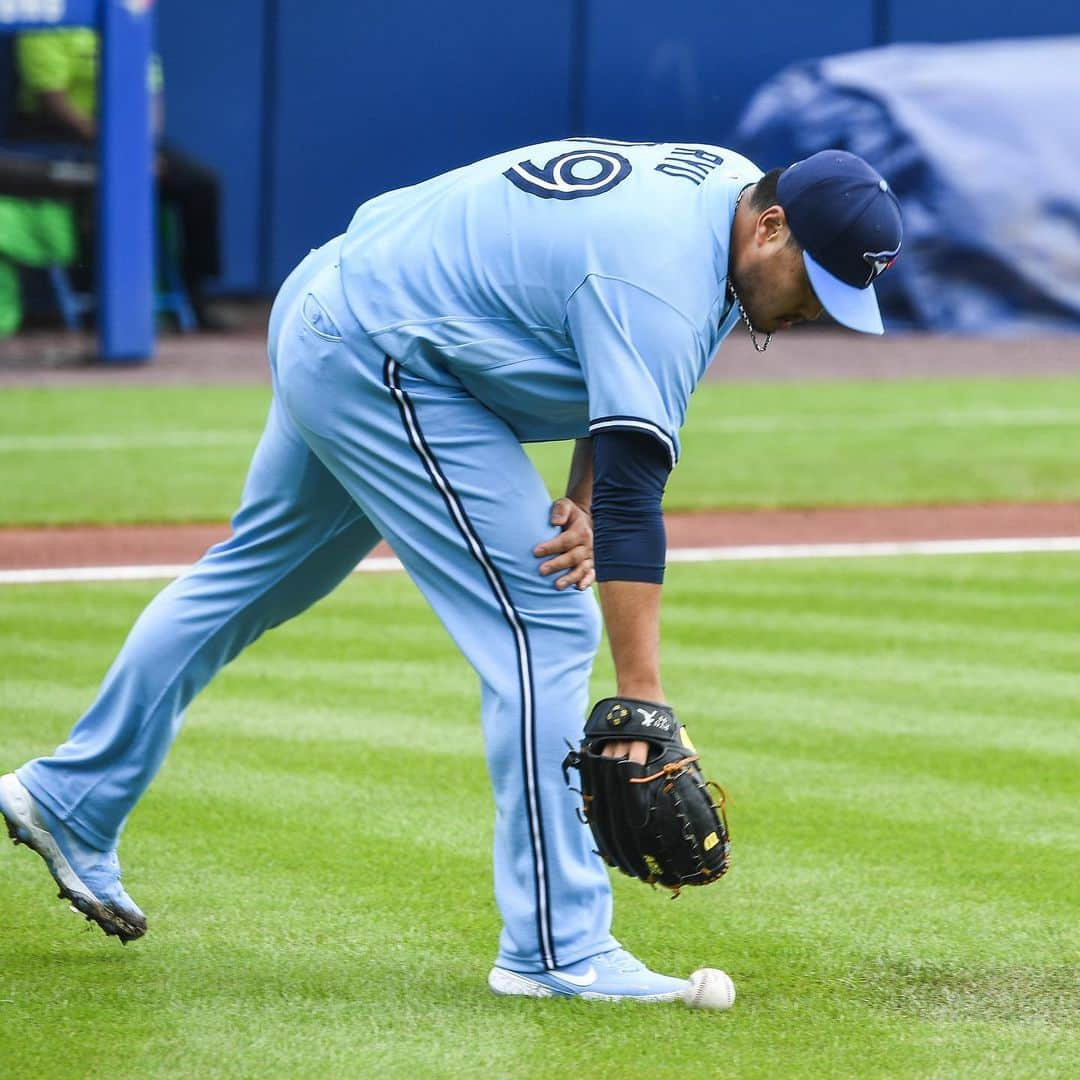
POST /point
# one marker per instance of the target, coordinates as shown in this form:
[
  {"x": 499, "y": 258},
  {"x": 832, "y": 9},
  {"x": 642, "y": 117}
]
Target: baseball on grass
[{"x": 709, "y": 988}]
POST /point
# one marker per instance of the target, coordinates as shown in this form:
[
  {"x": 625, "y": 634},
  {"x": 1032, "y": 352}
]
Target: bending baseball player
[{"x": 571, "y": 290}]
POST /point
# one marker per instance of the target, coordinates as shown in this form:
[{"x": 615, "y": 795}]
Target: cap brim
[{"x": 854, "y": 308}]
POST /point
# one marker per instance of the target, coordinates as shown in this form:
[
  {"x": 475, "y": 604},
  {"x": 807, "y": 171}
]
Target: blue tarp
[{"x": 981, "y": 143}]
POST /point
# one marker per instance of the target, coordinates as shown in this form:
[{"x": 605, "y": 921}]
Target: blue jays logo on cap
[
  {"x": 879, "y": 261},
  {"x": 848, "y": 222}
]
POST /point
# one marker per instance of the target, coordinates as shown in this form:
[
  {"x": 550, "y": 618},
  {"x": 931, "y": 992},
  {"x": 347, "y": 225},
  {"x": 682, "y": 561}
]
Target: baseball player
[{"x": 570, "y": 290}]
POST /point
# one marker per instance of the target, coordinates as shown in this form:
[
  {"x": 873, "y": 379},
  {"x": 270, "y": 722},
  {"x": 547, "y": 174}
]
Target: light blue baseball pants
[{"x": 356, "y": 448}]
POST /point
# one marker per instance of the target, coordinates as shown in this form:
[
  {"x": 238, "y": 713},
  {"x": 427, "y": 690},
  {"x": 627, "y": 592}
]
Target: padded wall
[
  {"x": 967, "y": 20},
  {"x": 213, "y": 54},
  {"x": 685, "y": 69},
  {"x": 307, "y": 107},
  {"x": 371, "y": 96}
]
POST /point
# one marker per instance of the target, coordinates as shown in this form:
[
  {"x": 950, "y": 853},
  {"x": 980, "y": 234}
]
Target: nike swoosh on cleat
[{"x": 576, "y": 980}]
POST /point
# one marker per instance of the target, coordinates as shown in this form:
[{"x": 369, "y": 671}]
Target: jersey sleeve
[{"x": 640, "y": 356}]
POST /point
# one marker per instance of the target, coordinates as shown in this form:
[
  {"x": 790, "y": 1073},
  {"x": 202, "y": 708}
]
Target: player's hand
[
  {"x": 634, "y": 749},
  {"x": 572, "y": 549}
]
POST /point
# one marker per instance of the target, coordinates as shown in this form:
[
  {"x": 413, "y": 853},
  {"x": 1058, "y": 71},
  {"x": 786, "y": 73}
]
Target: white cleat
[
  {"x": 610, "y": 976},
  {"x": 88, "y": 878}
]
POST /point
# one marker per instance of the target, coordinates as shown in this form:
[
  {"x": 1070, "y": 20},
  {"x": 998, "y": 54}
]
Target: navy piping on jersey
[
  {"x": 635, "y": 423},
  {"x": 475, "y": 545}
]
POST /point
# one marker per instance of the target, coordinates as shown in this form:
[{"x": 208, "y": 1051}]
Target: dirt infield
[{"x": 137, "y": 545}]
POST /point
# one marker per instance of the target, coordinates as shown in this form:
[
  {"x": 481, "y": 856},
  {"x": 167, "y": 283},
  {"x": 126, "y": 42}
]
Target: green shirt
[{"x": 64, "y": 60}]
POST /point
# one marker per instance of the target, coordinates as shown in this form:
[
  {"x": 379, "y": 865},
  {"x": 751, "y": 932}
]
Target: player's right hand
[{"x": 572, "y": 548}]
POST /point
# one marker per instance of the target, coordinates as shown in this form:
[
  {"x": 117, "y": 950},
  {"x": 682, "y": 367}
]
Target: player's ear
[{"x": 772, "y": 228}]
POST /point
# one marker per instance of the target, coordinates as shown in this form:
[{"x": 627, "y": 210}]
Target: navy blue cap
[{"x": 847, "y": 221}]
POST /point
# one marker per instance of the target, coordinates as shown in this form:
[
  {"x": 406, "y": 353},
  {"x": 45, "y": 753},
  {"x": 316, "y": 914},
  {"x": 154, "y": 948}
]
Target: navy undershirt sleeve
[{"x": 630, "y": 470}]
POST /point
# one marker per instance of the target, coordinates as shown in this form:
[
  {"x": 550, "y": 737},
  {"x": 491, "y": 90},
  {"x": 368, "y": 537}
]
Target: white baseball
[{"x": 709, "y": 988}]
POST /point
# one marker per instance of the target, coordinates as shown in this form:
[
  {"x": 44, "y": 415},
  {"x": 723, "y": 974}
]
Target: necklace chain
[{"x": 758, "y": 346}]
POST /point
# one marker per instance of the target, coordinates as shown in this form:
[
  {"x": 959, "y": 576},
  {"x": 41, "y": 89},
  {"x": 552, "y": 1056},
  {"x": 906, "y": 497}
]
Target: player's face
[{"x": 772, "y": 282}]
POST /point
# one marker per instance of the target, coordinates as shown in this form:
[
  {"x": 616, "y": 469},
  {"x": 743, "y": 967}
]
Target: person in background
[{"x": 57, "y": 102}]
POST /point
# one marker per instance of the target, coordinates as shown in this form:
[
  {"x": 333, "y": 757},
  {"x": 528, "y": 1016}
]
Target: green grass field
[
  {"x": 180, "y": 454},
  {"x": 899, "y": 738}
]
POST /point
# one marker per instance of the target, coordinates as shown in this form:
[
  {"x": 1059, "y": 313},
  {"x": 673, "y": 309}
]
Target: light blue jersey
[{"x": 571, "y": 286}]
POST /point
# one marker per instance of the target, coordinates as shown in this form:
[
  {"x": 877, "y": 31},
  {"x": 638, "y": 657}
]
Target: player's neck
[{"x": 742, "y": 228}]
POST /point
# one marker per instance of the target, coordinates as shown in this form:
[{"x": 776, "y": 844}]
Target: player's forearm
[
  {"x": 580, "y": 484},
  {"x": 632, "y": 618},
  {"x": 631, "y": 470}
]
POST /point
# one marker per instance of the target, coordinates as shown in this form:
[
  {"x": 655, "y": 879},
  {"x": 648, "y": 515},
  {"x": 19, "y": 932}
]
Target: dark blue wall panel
[
  {"x": 968, "y": 20},
  {"x": 307, "y": 107},
  {"x": 685, "y": 69},
  {"x": 371, "y": 96},
  {"x": 213, "y": 54}
]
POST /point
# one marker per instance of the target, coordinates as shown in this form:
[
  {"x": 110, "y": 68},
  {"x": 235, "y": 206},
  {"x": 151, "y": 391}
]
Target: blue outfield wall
[
  {"x": 374, "y": 96},
  {"x": 214, "y": 55},
  {"x": 308, "y": 107},
  {"x": 684, "y": 70},
  {"x": 972, "y": 20}
]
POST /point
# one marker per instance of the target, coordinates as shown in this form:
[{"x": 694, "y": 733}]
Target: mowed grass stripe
[
  {"x": 89, "y": 417},
  {"x": 315, "y": 858},
  {"x": 93, "y": 442},
  {"x": 834, "y": 630},
  {"x": 148, "y": 454},
  {"x": 982, "y": 685}
]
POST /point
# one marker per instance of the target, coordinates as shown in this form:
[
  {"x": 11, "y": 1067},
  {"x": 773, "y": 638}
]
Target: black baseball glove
[{"x": 661, "y": 821}]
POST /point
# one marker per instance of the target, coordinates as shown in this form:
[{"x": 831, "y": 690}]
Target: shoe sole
[
  {"x": 504, "y": 983},
  {"x": 23, "y": 830}
]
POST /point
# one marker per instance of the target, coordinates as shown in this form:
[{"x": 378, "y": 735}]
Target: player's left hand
[
  {"x": 656, "y": 819},
  {"x": 572, "y": 548},
  {"x": 636, "y": 750}
]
